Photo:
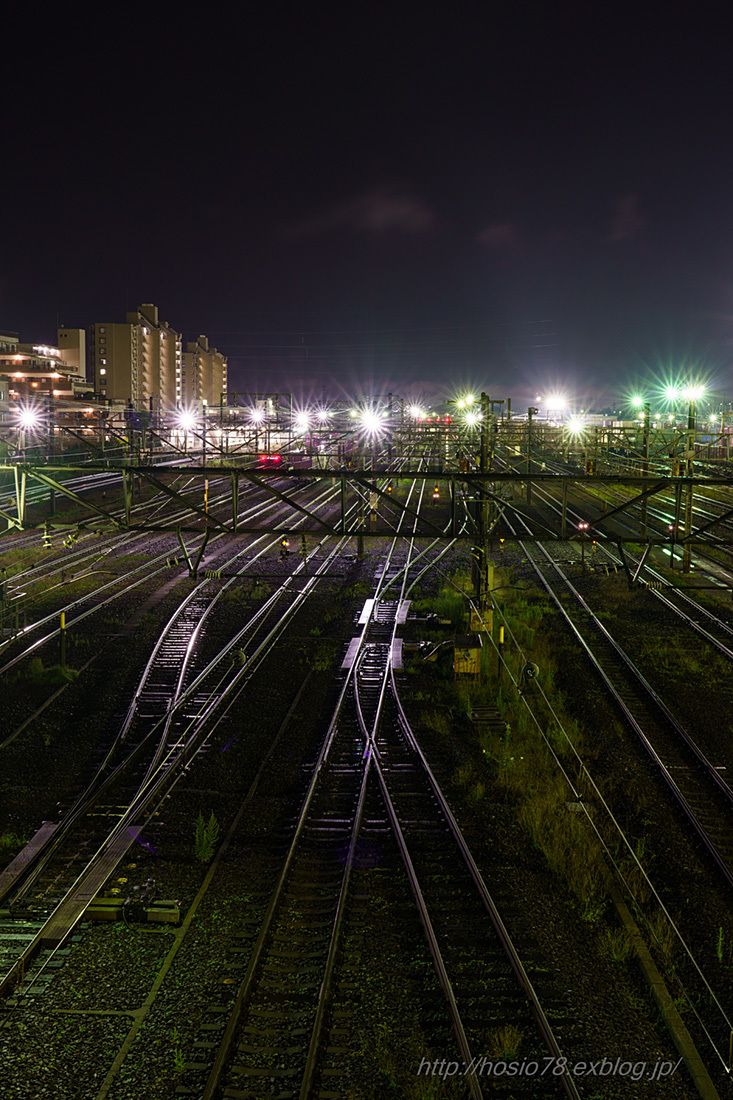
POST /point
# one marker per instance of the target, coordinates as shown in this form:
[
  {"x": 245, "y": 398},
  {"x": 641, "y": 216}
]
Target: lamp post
[{"x": 692, "y": 393}]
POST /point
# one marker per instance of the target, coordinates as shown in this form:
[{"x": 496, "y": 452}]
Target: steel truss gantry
[{"x": 369, "y": 504}]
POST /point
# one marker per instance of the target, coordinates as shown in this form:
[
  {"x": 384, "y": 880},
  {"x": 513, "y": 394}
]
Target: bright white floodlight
[
  {"x": 187, "y": 420},
  {"x": 256, "y": 415},
  {"x": 555, "y": 404},
  {"x": 371, "y": 421},
  {"x": 692, "y": 393},
  {"x": 323, "y": 415},
  {"x": 415, "y": 412},
  {"x": 302, "y": 421},
  {"x": 28, "y": 419},
  {"x": 671, "y": 393},
  {"x": 575, "y": 425},
  {"x": 471, "y": 419}
]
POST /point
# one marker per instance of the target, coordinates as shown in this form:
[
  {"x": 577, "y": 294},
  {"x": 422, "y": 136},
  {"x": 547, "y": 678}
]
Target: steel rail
[
  {"x": 255, "y": 963},
  {"x": 511, "y": 952},
  {"x": 656, "y": 702},
  {"x": 113, "y": 848}
]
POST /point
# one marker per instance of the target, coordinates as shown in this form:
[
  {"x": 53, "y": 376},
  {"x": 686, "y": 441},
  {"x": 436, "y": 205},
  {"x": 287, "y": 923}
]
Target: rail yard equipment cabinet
[{"x": 467, "y": 656}]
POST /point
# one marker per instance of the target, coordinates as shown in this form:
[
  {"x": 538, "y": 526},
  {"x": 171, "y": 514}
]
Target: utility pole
[
  {"x": 531, "y": 411},
  {"x": 689, "y": 470},
  {"x": 479, "y": 549},
  {"x": 645, "y": 466}
]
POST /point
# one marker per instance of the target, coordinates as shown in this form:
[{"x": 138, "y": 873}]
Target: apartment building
[
  {"x": 203, "y": 378},
  {"x": 36, "y": 370},
  {"x": 73, "y": 350},
  {"x": 138, "y": 360}
]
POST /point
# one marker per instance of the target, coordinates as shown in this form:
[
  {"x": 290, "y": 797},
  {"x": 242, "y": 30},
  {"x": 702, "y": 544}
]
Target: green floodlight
[{"x": 637, "y": 401}]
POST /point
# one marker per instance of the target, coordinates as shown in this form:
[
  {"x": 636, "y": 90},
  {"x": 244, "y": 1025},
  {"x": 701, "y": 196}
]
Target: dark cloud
[{"x": 379, "y": 212}]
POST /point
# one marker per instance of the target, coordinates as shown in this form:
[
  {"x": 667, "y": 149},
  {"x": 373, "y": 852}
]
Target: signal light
[
  {"x": 436, "y": 493},
  {"x": 284, "y": 547},
  {"x": 389, "y": 487}
]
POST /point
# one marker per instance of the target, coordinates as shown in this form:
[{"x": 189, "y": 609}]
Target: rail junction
[{"x": 216, "y": 514}]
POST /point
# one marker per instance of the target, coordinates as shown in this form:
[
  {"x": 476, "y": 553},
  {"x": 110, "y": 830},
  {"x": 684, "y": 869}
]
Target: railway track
[
  {"x": 696, "y": 787},
  {"x": 292, "y": 1017},
  {"x": 180, "y": 705},
  {"x": 696, "y": 784}
]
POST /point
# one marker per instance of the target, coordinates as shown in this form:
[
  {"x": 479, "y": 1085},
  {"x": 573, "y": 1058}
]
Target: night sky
[{"x": 523, "y": 197}]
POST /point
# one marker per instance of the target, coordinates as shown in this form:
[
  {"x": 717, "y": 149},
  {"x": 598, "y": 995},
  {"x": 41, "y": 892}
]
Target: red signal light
[{"x": 447, "y": 420}]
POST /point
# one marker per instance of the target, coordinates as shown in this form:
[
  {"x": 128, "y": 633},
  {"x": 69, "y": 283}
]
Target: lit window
[
  {"x": 102, "y": 360},
  {"x": 102, "y": 328},
  {"x": 103, "y": 370}
]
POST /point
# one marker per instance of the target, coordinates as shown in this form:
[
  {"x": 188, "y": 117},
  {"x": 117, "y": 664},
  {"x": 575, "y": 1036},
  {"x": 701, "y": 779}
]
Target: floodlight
[
  {"x": 28, "y": 418},
  {"x": 371, "y": 421}
]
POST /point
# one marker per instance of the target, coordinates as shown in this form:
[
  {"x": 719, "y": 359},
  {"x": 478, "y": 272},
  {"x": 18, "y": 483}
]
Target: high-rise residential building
[
  {"x": 137, "y": 361},
  {"x": 203, "y": 378},
  {"x": 72, "y": 347}
]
